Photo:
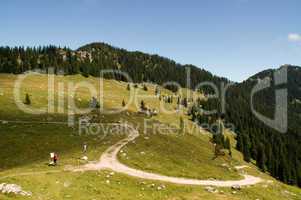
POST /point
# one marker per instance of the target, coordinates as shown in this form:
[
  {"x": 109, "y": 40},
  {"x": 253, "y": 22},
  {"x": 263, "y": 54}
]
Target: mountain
[
  {"x": 92, "y": 58},
  {"x": 277, "y": 153},
  {"x": 265, "y": 99},
  {"x": 272, "y": 150},
  {"x": 145, "y": 67}
]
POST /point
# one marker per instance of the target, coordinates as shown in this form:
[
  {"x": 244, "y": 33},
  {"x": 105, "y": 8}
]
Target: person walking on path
[{"x": 53, "y": 159}]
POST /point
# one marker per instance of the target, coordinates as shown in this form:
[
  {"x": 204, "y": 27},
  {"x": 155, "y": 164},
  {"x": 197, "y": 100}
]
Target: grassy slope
[
  {"x": 183, "y": 156},
  {"x": 25, "y": 148}
]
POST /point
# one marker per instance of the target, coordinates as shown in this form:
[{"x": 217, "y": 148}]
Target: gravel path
[{"x": 109, "y": 161}]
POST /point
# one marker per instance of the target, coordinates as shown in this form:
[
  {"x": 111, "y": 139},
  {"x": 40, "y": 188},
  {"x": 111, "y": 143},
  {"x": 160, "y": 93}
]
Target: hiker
[{"x": 53, "y": 158}]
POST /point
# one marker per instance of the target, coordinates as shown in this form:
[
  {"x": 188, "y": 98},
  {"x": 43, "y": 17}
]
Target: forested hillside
[
  {"x": 92, "y": 58},
  {"x": 274, "y": 152},
  {"x": 277, "y": 153}
]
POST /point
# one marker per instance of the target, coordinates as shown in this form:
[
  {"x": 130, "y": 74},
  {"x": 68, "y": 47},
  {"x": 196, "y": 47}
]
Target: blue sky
[{"x": 231, "y": 38}]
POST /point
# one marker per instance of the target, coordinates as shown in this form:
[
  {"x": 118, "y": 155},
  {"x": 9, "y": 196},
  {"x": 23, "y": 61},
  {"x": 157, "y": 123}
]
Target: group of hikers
[
  {"x": 53, "y": 159},
  {"x": 54, "y": 156}
]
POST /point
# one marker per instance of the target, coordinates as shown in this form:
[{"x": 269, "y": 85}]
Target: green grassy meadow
[{"x": 27, "y": 139}]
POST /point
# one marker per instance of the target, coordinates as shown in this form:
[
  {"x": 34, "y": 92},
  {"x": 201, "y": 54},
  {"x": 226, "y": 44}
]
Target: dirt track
[{"x": 109, "y": 161}]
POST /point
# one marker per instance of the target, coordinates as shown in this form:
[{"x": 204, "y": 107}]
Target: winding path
[{"x": 109, "y": 161}]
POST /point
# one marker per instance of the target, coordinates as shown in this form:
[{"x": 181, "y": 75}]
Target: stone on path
[
  {"x": 236, "y": 187},
  {"x": 13, "y": 189},
  {"x": 211, "y": 189}
]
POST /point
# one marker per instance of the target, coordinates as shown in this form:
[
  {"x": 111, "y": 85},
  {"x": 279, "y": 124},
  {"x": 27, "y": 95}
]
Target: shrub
[
  {"x": 145, "y": 88},
  {"x": 85, "y": 74},
  {"x": 27, "y": 99},
  {"x": 142, "y": 105}
]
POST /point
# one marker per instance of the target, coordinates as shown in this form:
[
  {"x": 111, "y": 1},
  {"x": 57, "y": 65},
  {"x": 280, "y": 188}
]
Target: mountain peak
[{"x": 96, "y": 45}]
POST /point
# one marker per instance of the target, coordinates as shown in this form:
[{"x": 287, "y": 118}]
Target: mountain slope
[
  {"x": 26, "y": 146},
  {"x": 92, "y": 58},
  {"x": 150, "y": 66},
  {"x": 275, "y": 152}
]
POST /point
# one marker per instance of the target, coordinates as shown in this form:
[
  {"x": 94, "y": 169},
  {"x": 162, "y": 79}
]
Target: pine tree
[
  {"x": 283, "y": 171},
  {"x": 145, "y": 88},
  {"x": 27, "y": 99},
  {"x": 221, "y": 127},
  {"x": 142, "y": 105},
  {"x": 246, "y": 149},
  {"x": 227, "y": 144},
  {"x": 239, "y": 144},
  {"x": 269, "y": 157},
  {"x": 230, "y": 152},
  {"x": 85, "y": 74},
  {"x": 157, "y": 91},
  {"x": 123, "y": 103},
  {"x": 261, "y": 157},
  {"x": 128, "y": 87},
  {"x": 178, "y": 101},
  {"x": 182, "y": 125},
  {"x": 184, "y": 102}
]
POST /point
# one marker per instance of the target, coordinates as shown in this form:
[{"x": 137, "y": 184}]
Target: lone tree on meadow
[
  {"x": 27, "y": 99},
  {"x": 94, "y": 103},
  {"x": 185, "y": 102},
  {"x": 123, "y": 103},
  {"x": 157, "y": 91},
  {"x": 145, "y": 88},
  {"x": 227, "y": 144},
  {"x": 182, "y": 125},
  {"x": 142, "y": 105}
]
